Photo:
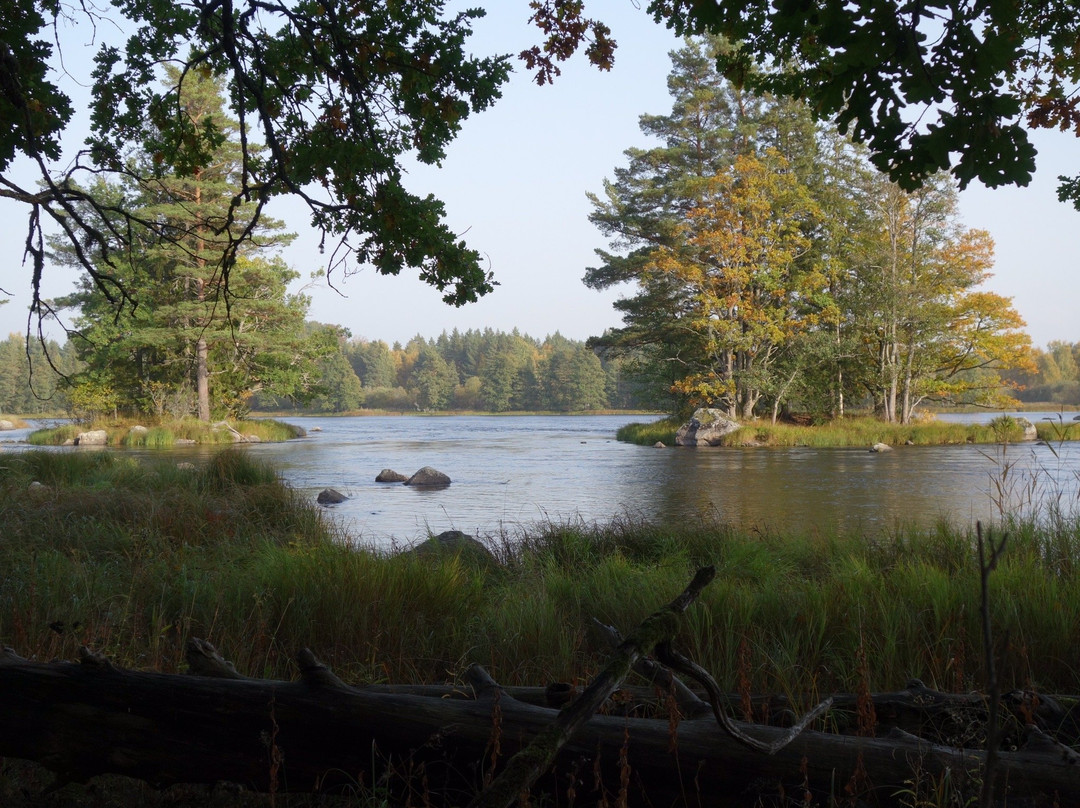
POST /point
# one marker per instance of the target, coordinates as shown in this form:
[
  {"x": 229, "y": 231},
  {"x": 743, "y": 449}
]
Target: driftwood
[
  {"x": 448, "y": 745},
  {"x": 316, "y": 734}
]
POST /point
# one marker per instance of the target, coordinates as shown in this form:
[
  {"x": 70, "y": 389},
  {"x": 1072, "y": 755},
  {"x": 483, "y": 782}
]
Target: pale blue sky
[{"x": 514, "y": 185}]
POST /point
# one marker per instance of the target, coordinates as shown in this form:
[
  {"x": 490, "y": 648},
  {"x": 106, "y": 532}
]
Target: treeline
[
  {"x": 32, "y": 376},
  {"x": 487, "y": 371},
  {"x": 1056, "y": 377}
]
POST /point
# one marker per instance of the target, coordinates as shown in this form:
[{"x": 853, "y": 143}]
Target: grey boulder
[
  {"x": 456, "y": 543},
  {"x": 390, "y": 476},
  {"x": 705, "y": 428},
  {"x": 428, "y": 476},
  {"x": 330, "y": 496}
]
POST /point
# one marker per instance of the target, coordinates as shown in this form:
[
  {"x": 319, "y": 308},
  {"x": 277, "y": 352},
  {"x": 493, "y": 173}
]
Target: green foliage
[
  {"x": 647, "y": 434},
  {"x": 338, "y": 95},
  {"x": 862, "y": 432},
  {"x": 166, "y": 434},
  {"x": 773, "y": 268},
  {"x": 967, "y": 73},
  {"x": 28, "y": 384},
  {"x": 205, "y": 339},
  {"x": 476, "y": 371}
]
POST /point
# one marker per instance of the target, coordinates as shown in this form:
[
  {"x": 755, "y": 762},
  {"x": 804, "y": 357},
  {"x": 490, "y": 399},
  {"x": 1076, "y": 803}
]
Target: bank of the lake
[
  {"x": 133, "y": 555},
  {"x": 865, "y": 432},
  {"x": 164, "y": 434}
]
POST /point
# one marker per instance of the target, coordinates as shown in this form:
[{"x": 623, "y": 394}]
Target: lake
[
  {"x": 514, "y": 471},
  {"x": 511, "y": 472}
]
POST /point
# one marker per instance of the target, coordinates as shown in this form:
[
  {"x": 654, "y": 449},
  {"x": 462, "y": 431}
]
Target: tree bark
[{"x": 317, "y": 734}]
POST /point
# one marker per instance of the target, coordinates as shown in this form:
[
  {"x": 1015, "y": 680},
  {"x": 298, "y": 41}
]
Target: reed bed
[{"x": 133, "y": 557}]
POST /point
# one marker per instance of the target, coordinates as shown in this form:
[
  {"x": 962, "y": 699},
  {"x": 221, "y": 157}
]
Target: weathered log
[
  {"x": 89, "y": 718},
  {"x": 537, "y": 757}
]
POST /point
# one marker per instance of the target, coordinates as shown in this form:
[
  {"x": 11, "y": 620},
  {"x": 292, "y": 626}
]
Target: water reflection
[{"x": 510, "y": 472}]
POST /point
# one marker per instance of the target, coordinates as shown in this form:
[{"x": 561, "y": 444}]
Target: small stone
[
  {"x": 881, "y": 447},
  {"x": 659, "y": 445}
]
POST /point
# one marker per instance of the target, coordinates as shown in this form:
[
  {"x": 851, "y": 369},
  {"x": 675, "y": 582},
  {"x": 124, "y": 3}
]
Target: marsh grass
[
  {"x": 166, "y": 434},
  {"x": 858, "y": 432},
  {"x": 133, "y": 557}
]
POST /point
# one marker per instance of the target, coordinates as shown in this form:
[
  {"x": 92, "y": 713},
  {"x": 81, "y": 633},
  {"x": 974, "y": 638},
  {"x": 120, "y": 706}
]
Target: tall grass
[
  {"x": 857, "y": 432},
  {"x": 133, "y": 557},
  {"x": 166, "y": 434}
]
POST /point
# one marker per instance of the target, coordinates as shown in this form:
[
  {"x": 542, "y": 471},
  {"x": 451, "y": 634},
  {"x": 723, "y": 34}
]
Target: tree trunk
[
  {"x": 202, "y": 379},
  {"x": 317, "y": 734}
]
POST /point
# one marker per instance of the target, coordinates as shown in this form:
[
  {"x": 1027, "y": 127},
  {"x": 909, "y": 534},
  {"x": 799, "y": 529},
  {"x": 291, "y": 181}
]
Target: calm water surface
[{"x": 511, "y": 472}]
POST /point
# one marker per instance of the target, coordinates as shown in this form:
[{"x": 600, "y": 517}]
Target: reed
[
  {"x": 134, "y": 556},
  {"x": 166, "y": 434},
  {"x": 864, "y": 431}
]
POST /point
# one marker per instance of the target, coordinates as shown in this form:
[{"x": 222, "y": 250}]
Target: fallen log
[{"x": 317, "y": 734}]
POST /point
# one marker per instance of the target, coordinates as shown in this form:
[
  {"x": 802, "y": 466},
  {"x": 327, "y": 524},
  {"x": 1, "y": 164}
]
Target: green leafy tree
[
  {"x": 372, "y": 362},
  {"x": 928, "y": 86},
  {"x": 222, "y": 336},
  {"x": 338, "y": 94},
  {"x": 28, "y": 385},
  {"x": 712, "y": 228},
  {"x": 928, "y": 329},
  {"x": 434, "y": 378}
]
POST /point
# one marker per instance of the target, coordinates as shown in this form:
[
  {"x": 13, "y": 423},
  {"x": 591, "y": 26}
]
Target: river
[{"x": 512, "y": 472}]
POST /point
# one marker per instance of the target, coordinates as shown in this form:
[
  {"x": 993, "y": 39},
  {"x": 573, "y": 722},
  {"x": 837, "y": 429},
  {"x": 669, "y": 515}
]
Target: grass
[
  {"x": 123, "y": 432},
  {"x": 132, "y": 557},
  {"x": 859, "y": 432}
]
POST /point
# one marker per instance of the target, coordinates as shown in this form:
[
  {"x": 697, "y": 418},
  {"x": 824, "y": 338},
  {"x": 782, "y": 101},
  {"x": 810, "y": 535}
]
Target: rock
[
  {"x": 185, "y": 466},
  {"x": 881, "y": 447},
  {"x": 428, "y": 476},
  {"x": 330, "y": 496},
  {"x": 315, "y": 429},
  {"x": 252, "y": 439},
  {"x": 95, "y": 437},
  {"x": 6, "y": 424},
  {"x": 390, "y": 476},
  {"x": 454, "y": 542},
  {"x": 1030, "y": 432},
  {"x": 184, "y": 442},
  {"x": 659, "y": 445},
  {"x": 705, "y": 428},
  {"x": 138, "y": 429}
]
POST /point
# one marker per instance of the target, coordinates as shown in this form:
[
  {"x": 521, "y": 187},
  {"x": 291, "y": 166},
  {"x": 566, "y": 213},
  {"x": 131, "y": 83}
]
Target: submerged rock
[
  {"x": 881, "y": 447},
  {"x": 330, "y": 496},
  {"x": 390, "y": 476},
  {"x": 428, "y": 476},
  {"x": 705, "y": 428}
]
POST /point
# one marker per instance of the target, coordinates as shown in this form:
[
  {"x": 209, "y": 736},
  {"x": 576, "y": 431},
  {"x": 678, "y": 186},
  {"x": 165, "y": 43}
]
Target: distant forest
[{"x": 487, "y": 371}]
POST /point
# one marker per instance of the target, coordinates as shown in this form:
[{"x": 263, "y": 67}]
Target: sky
[{"x": 515, "y": 180}]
